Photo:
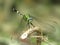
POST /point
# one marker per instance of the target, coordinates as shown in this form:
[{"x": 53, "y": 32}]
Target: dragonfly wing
[
  {"x": 49, "y": 27},
  {"x": 22, "y": 25}
]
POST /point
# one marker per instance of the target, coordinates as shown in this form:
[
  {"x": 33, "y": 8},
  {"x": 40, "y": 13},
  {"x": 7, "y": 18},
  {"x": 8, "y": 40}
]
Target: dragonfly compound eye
[{"x": 30, "y": 18}]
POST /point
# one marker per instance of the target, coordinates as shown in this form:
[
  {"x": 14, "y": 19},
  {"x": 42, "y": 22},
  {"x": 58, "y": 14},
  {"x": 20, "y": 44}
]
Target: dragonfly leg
[
  {"x": 28, "y": 24},
  {"x": 32, "y": 24}
]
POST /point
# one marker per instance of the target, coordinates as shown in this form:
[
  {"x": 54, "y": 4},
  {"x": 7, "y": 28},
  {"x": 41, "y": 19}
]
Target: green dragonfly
[
  {"x": 45, "y": 24},
  {"x": 27, "y": 18}
]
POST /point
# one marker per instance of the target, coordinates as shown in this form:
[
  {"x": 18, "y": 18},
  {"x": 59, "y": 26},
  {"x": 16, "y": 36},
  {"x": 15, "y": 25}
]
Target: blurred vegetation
[{"x": 45, "y": 13}]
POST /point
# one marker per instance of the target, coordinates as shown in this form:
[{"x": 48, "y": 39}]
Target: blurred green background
[{"x": 45, "y": 13}]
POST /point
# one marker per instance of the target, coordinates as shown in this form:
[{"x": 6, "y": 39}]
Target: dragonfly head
[{"x": 30, "y": 19}]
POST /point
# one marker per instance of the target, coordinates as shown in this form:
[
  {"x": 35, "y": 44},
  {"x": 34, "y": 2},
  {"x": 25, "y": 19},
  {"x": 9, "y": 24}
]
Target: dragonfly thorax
[{"x": 28, "y": 18}]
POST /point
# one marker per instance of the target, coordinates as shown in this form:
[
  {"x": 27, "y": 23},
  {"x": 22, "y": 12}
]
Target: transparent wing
[
  {"x": 22, "y": 25},
  {"x": 49, "y": 26}
]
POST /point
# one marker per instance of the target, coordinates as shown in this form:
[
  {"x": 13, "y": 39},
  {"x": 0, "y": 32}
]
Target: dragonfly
[{"x": 27, "y": 18}]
